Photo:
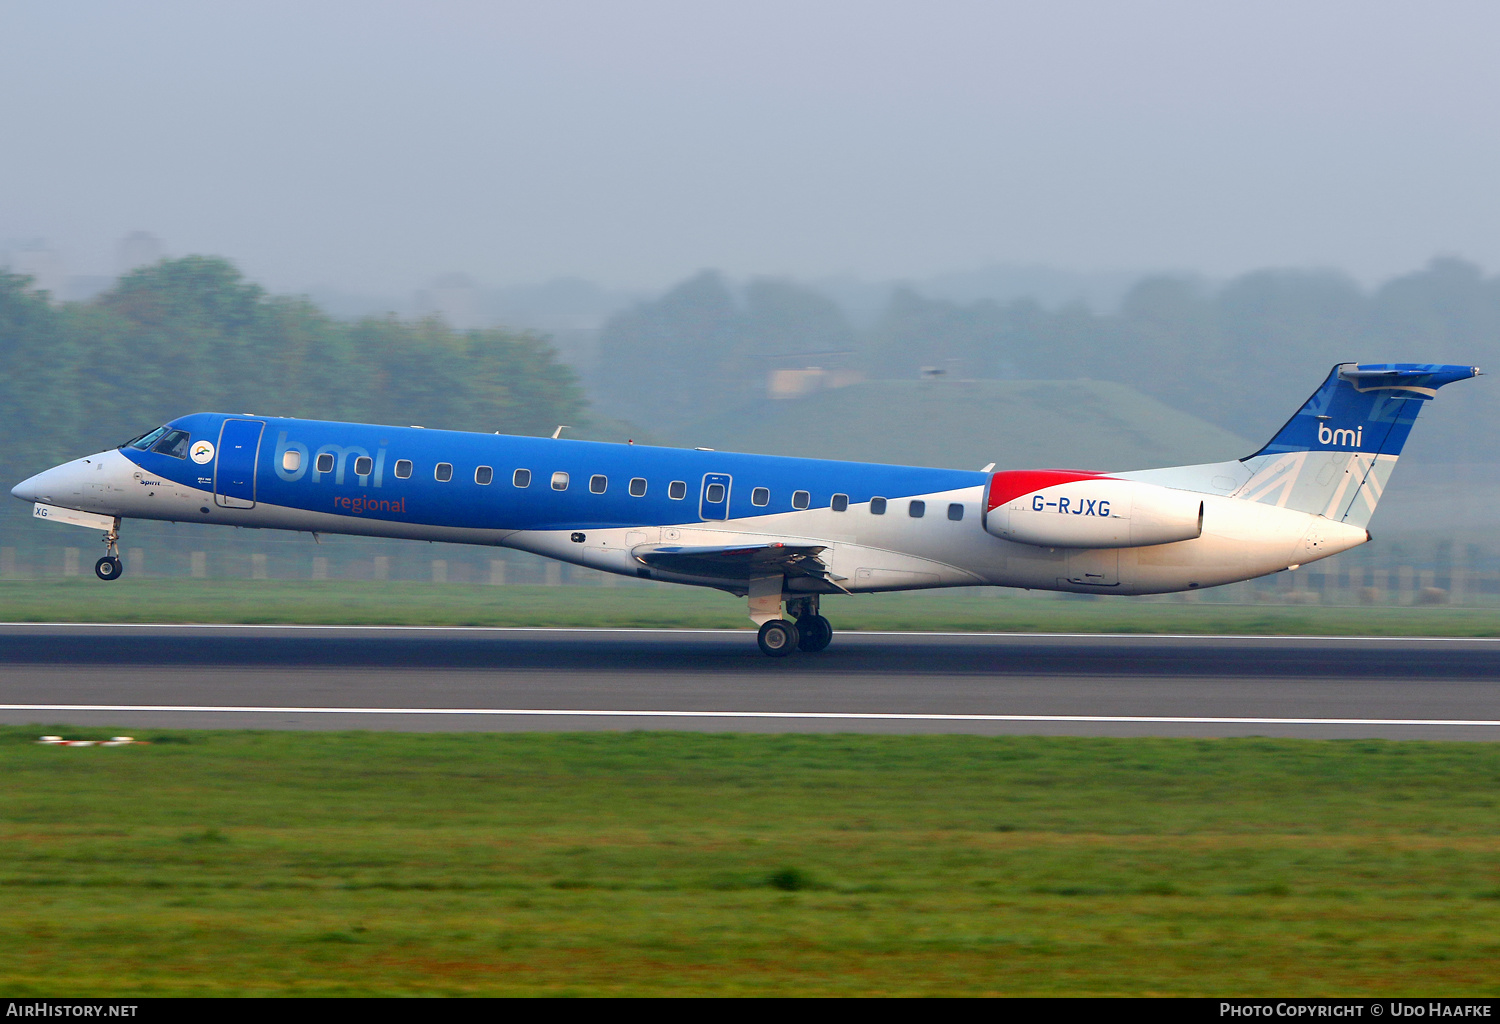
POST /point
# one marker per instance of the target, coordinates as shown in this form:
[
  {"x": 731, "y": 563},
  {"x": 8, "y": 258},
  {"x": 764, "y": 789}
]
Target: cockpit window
[
  {"x": 146, "y": 440},
  {"x": 174, "y": 443}
]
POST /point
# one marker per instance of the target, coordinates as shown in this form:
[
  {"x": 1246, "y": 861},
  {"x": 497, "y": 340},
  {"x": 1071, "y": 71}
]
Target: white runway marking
[
  {"x": 862, "y": 716},
  {"x": 1280, "y": 637}
]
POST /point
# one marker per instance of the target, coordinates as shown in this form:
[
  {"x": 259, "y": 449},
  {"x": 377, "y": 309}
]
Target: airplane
[{"x": 779, "y": 532}]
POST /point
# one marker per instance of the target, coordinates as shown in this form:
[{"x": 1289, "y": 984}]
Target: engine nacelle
[{"x": 1058, "y": 509}]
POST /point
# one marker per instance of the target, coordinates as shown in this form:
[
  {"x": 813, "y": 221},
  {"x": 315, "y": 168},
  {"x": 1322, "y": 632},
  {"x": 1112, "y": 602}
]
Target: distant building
[
  {"x": 794, "y": 382},
  {"x": 137, "y": 249}
]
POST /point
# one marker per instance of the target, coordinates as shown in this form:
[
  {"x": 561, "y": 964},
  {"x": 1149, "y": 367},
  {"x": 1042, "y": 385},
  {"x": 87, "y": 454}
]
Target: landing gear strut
[
  {"x": 109, "y": 567},
  {"x": 778, "y": 637}
]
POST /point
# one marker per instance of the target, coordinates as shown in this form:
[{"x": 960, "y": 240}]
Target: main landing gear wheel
[
  {"x": 777, "y": 638},
  {"x": 108, "y": 568},
  {"x": 813, "y": 633}
]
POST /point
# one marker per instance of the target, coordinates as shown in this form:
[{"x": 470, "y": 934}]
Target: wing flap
[{"x": 737, "y": 561}]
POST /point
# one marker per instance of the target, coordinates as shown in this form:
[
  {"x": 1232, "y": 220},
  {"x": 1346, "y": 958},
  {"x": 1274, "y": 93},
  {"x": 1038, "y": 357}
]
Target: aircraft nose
[
  {"x": 26, "y": 489},
  {"x": 58, "y": 485}
]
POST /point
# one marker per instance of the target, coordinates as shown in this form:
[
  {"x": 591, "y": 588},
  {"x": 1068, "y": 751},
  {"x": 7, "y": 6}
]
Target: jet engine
[{"x": 1058, "y": 509}]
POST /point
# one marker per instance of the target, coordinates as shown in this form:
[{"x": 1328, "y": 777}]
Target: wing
[{"x": 738, "y": 562}]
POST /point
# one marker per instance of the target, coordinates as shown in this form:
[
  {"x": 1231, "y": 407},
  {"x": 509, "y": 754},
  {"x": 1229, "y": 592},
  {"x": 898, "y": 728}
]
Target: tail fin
[{"x": 1335, "y": 456}]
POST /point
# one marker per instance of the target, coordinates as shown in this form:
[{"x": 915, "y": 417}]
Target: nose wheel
[{"x": 109, "y": 567}]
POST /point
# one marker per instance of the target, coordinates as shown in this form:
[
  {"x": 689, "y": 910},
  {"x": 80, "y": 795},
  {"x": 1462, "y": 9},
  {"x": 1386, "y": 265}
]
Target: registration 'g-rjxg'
[{"x": 778, "y": 531}]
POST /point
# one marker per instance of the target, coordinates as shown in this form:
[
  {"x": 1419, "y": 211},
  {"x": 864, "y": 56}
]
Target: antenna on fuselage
[{"x": 558, "y": 432}]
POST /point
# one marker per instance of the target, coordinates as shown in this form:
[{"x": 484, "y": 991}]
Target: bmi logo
[{"x": 1342, "y": 436}]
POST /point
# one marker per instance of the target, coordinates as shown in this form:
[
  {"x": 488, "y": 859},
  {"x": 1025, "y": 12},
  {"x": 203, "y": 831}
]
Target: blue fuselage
[{"x": 596, "y": 493}]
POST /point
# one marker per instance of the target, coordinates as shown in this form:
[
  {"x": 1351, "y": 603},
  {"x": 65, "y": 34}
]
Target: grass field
[
  {"x": 659, "y": 605},
  {"x": 268, "y": 863}
]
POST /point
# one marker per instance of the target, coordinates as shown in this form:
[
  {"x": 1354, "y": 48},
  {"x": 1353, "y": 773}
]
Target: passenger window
[
  {"x": 714, "y": 494},
  {"x": 800, "y": 499},
  {"x": 760, "y": 496},
  {"x": 677, "y": 490},
  {"x": 840, "y": 503},
  {"x": 483, "y": 474},
  {"x": 598, "y": 483},
  {"x": 559, "y": 481},
  {"x": 175, "y": 444},
  {"x": 877, "y": 506},
  {"x": 918, "y": 509},
  {"x": 291, "y": 461},
  {"x": 325, "y": 462},
  {"x": 364, "y": 466},
  {"x": 443, "y": 473},
  {"x": 521, "y": 478},
  {"x": 638, "y": 487},
  {"x": 403, "y": 468},
  {"x": 956, "y": 512}
]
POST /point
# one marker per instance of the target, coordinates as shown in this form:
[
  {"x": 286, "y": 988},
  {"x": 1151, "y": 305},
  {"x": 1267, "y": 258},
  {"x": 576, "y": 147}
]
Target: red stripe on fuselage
[{"x": 1013, "y": 484}]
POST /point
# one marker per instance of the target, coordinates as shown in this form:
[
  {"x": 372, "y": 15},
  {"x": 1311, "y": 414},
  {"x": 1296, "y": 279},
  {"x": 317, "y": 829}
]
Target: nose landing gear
[{"x": 109, "y": 567}]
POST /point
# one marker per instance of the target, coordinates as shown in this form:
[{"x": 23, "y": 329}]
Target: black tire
[
  {"x": 108, "y": 568},
  {"x": 814, "y": 633},
  {"x": 777, "y": 638}
]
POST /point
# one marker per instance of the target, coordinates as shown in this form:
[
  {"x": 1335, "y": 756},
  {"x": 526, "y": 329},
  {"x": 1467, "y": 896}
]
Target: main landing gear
[
  {"x": 810, "y": 633},
  {"x": 109, "y": 567}
]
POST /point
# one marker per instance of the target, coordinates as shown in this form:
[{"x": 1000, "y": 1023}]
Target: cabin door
[
  {"x": 713, "y": 502},
  {"x": 234, "y": 472}
]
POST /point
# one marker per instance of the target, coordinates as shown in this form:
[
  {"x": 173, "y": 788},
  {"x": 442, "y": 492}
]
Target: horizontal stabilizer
[{"x": 737, "y": 562}]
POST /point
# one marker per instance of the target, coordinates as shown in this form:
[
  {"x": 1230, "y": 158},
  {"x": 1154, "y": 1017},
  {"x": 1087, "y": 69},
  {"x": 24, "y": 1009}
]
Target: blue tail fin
[{"x": 1334, "y": 457}]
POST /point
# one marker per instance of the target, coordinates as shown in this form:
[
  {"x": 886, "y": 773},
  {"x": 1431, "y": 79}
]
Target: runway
[{"x": 430, "y": 679}]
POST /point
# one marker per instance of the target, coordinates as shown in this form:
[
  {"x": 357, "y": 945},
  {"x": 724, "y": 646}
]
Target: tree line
[
  {"x": 1241, "y": 354},
  {"x": 192, "y": 334}
]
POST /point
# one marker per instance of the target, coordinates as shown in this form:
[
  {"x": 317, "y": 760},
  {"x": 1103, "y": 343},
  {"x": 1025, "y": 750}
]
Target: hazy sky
[{"x": 371, "y": 146}]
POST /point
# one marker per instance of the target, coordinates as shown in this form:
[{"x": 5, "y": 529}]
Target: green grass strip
[{"x": 220, "y": 863}]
